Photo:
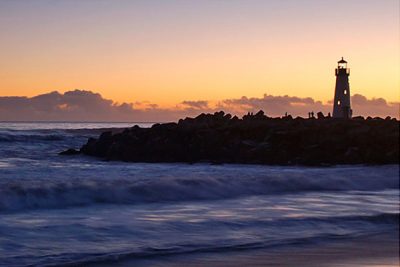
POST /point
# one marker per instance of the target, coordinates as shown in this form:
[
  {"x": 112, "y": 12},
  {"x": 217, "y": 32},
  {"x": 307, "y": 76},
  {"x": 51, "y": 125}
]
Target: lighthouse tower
[{"x": 341, "y": 104}]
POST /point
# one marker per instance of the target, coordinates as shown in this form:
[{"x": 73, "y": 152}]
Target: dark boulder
[{"x": 70, "y": 151}]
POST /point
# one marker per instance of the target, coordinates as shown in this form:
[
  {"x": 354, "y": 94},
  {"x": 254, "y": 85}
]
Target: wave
[
  {"x": 302, "y": 222},
  {"x": 378, "y": 218},
  {"x": 30, "y": 137},
  {"x": 46, "y": 135},
  {"x": 172, "y": 187}
]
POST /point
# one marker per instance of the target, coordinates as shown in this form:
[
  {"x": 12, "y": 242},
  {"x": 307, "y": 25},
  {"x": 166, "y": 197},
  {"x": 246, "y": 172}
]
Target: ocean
[{"x": 82, "y": 211}]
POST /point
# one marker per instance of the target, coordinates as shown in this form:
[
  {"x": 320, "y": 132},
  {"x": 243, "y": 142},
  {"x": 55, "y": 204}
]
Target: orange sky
[{"x": 192, "y": 50}]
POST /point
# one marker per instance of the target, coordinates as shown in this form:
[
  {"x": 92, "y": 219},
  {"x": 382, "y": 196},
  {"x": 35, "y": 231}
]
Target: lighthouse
[{"x": 341, "y": 104}]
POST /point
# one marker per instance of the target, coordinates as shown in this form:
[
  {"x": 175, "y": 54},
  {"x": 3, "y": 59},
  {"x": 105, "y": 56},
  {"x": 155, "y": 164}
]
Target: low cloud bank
[{"x": 81, "y": 105}]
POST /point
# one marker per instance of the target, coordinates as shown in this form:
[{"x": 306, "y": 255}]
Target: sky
[{"x": 165, "y": 53}]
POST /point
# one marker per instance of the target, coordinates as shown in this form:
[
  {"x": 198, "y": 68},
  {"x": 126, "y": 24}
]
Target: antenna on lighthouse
[{"x": 341, "y": 104}]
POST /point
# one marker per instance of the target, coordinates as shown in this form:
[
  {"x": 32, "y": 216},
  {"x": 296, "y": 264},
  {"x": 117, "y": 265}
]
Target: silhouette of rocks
[{"x": 255, "y": 139}]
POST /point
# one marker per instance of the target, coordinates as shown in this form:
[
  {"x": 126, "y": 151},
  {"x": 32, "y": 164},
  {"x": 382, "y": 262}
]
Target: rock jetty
[{"x": 254, "y": 139}]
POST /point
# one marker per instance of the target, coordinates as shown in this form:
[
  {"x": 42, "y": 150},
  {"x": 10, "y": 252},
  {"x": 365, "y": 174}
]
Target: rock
[
  {"x": 221, "y": 138},
  {"x": 70, "y": 151},
  {"x": 352, "y": 155},
  {"x": 358, "y": 118}
]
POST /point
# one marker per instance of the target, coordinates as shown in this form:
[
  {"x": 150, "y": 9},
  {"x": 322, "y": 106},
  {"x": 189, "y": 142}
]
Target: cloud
[
  {"x": 200, "y": 104},
  {"x": 274, "y": 105},
  {"x": 70, "y": 106},
  {"x": 297, "y": 106},
  {"x": 375, "y": 106},
  {"x": 82, "y": 105}
]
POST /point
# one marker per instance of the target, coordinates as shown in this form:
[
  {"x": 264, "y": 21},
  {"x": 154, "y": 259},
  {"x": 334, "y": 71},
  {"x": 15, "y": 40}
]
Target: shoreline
[{"x": 380, "y": 250}]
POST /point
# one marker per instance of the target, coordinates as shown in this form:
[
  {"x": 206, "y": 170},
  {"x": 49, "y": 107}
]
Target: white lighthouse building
[{"x": 341, "y": 104}]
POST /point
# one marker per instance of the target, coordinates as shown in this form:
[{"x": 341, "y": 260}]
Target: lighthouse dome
[{"x": 342, "y": 61}]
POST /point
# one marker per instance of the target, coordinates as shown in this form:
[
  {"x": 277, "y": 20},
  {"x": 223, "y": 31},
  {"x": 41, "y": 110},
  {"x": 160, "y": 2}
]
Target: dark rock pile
[{"x": 255, "y": 139}]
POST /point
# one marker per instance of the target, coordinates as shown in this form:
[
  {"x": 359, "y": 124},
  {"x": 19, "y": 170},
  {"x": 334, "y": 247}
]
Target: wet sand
[{"x": 372, "y": 251}]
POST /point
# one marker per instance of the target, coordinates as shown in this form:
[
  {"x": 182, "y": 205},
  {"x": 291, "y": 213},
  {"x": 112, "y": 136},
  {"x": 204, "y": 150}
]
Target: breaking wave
[
  {"x": 45, "y": 135},
  {"x": 56, "y": 193},
  {"x": 30, "y": 137}
]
